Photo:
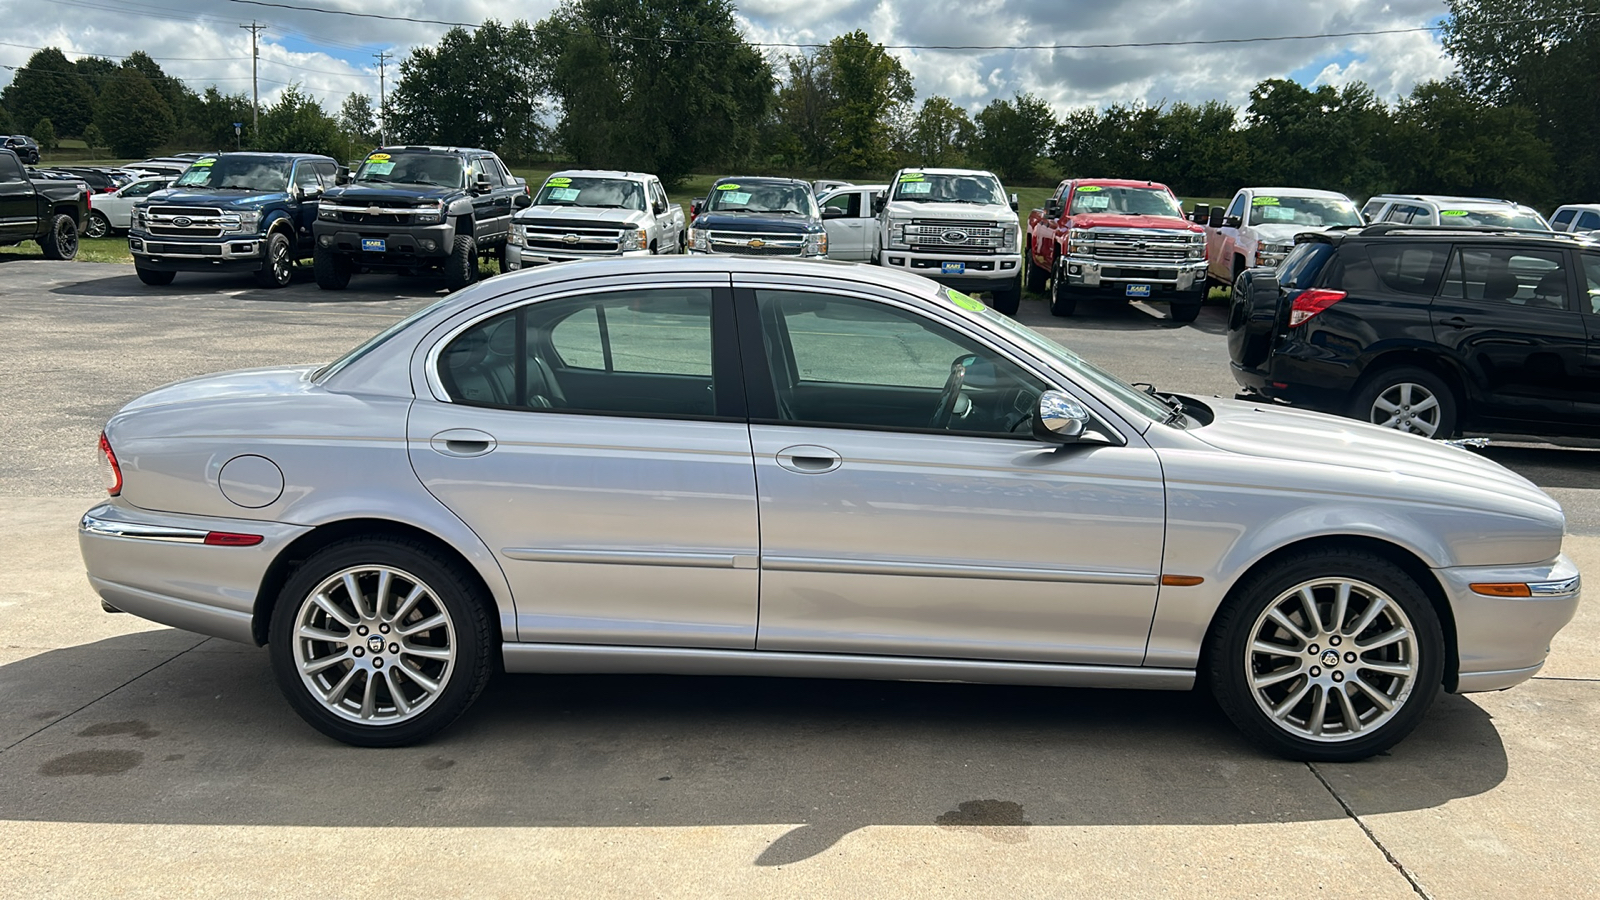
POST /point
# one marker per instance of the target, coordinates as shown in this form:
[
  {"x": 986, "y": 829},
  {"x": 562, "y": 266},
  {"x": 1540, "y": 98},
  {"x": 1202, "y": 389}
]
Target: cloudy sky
[{"x": 331, "y": 55}]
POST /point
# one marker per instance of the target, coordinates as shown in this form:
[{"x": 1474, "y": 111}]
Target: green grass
[{"x": 102, "y": 250}]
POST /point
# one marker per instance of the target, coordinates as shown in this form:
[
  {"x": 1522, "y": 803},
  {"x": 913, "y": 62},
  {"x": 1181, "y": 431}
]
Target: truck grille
[
  {"x": 935, "y": 235},
  {"x": 1146, "y": 247},
  {"x": 184, "y": 221},
  {"x": 585, "y": 239},
  {"x": 752, "y": 243}
]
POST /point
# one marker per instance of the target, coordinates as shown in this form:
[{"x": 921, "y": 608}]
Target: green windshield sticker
[
  {"x": 558, "y": 182},
  {"x": 205, "y": 163},
  {"x": 564, "y": 195},
  {"x": 1264, "y": 201},
  {"x": 911, "y": 176},
  {"x": 727, "y": 187},
  {"x": 965, "y": 302},
  {"x": 377, "y": 157},
  {"x": 377, "y": 168},
  {"x": 916, "y": 187},
  {"x": 1090, "y": 189},
  {"x": 738, "y": 198},
  {"x": 1452, "y": 212}
]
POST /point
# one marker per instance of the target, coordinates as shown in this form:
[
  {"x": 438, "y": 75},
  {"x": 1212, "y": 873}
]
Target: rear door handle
[
  {"x": 1454, "y": 322},
  {"x": 808, "y": 459},
  {"x": 463, "y": 442}
]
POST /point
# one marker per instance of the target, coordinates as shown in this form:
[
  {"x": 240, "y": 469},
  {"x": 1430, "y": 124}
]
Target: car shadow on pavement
[
  {"x": 1112, "y": 314},
  {"x": 234, "y": 286},
  {"x": 205, "y": 738}
]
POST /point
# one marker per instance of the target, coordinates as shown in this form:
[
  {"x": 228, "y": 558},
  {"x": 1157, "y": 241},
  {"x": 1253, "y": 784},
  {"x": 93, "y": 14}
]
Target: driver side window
[
  {"x": 852, "y": 363},
  {"x": 1237, "y": 209}
]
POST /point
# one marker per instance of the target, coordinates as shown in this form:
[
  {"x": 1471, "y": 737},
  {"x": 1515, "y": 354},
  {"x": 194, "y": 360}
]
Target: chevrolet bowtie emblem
[
  {"x": 374, "y": 211},
  {"x": 570, "y": 239},
  {"x": 756, "y": 244}
]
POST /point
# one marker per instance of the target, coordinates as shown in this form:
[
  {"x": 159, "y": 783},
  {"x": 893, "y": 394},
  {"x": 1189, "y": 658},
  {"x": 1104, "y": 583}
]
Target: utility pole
[
  {"x": 255, "y": 90},
  {"x": 383, "y": 109}
]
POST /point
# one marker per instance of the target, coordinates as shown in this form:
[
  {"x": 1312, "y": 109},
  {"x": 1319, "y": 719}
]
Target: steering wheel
[{"x": 951, "y": 393}]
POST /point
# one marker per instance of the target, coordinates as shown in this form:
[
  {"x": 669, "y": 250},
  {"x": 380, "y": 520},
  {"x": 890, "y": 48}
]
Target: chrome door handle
[
  {"x": 1454, "y": 322},
  {"x": 463, "y": 442},
  {"x": 808, "y": 459}
]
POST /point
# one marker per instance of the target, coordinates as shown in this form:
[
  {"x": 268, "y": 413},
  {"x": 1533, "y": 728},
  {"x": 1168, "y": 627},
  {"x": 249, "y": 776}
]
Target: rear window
[
  {"x": 1409, "y": 268},
  {"x": 1303, "y": 264}
]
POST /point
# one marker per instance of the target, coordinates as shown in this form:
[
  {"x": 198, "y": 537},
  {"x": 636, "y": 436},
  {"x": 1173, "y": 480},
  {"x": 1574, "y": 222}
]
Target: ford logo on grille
[
  {"x": 182, "y": 222},
  {"x": 954, "y": 237}
]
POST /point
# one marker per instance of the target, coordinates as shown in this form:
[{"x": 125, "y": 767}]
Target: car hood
[
  {"x": 580, "y": 213},
  {"x": 1110, "y": 220},
  {"x": 273, "y": 382},
  {"x": 1284, "y": 233},
  {"x": 377, "y": 194},
  {"x": 758, "y": 222},
  {"x": 1401, "y": 465},
  {"x": 235, "y": 200},
  {"x": 967, "y": 212}
]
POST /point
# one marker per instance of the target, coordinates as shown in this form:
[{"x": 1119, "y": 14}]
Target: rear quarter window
[
  {"x": 1409, "y": 268},
  {"x": 1304, "y": 264}
]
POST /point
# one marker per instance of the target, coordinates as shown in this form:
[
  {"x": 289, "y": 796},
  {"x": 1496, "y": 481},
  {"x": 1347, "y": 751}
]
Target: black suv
[
  {"x": 413, "y": 208},
  {"x": 1428, "y": 330},
  {"x": 26, "y": 148}
]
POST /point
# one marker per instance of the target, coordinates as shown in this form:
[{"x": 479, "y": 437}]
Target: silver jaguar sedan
[{"x": 725, "y": 466}]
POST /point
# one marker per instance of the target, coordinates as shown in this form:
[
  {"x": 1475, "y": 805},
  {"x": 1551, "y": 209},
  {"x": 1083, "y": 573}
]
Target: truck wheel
[
  {"x": 155, "y": 277},
  {"x": 1187, "y": 309},
  {"x": 1006, "y": 301},
  {"x": 1037, "y": 275},
  {"x": 62, "y": 241},
  {"x": 1063, "y": 300},
  {"x": 277, "y": 268},
  {"x": 683, "y": 242},
  {"x": 97, "y": 226},
  {"x": 333, "y": 269},
  {"x": 461, "y": 268}
]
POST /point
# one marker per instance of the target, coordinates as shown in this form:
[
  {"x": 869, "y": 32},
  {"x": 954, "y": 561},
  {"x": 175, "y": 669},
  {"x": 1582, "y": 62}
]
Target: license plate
[
  {"x": 374, "y": 245},
  {"x": 1137, "y": 290},
  {"x": 958, "y": 268}
]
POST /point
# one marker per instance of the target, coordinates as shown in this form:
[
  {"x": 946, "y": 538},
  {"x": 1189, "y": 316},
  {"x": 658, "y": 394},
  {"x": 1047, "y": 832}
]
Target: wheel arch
[
  {"x": 1395, "y": 357},
  {"x": 289, "y": 560}
]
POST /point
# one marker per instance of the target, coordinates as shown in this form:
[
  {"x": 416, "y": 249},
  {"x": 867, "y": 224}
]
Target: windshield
[
  {"x": 402, "y": 167},
  {"x": 1123, "y": 201},
  {"x": 1495, "y": 218},
  {"x": 600, "y": 193},
  {"x": 783, "y": 199},
  {"x": 1085, "y": 372},
  {"x": 237, "y": 173},
  {"x": 927, "y": 187},
  {"x": 1308, "y": 211}
]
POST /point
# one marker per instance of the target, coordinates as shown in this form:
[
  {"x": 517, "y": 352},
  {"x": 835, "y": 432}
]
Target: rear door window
[
  {"x": 1409, "y": 268},
  {"x": 1589, "y": 221},
  {"x": 1559, "y": 223},
  {"x": 10, "y": 169},
  {"x": 1525, "y": 277},
  {"x": 1591, "y": 281},
  {"x": 1303, "y": 264}
]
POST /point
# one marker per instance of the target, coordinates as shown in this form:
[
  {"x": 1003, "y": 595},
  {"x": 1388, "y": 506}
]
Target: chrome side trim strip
[
  {"x": 1566, "y": 587},
  {"x": 598, "y": 659},
  {"x": 109, "y": 528},
  {"x": 949, "y": 570},
  {"x": 634, "y": 558}
]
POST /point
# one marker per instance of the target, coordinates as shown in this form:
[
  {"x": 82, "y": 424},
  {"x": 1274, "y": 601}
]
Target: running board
[{"x": 594, "y": 659}]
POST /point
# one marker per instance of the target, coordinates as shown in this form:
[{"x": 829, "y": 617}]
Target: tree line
[{"x": 673, "y": 87}]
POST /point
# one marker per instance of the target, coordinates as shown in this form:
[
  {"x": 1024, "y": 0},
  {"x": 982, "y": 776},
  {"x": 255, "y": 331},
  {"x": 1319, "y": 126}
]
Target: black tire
[
  {"x": 98, "y": 225},
  {"x": 1007, "y": 301},
  {"x": 1063, "y": 299},
  {"x": 1187, "y": 309},
  {"x": 1254, "y": 311},
  {"x": 155, "y": 277},
  {"x": 1408, "y": 388},
  {"x": 1036, "y": 274},
  {"x": 61, "y": 241},
  {"x": 1234, "y": 664},
  {"x": 466, "y": 630},
  {"x": 332, "y": 269},
  {"x": 277, "y": 262},
  {"x": 461, "y": 267}
]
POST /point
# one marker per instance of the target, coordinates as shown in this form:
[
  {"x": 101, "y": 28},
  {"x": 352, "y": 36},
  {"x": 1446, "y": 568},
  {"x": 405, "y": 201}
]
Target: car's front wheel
[
  {"x": 277, "y": 263},
  {"x": 380, "y": 642},
  {"x": 1407, "y": 399},
  {"x": 332, "y": 269},
  {"x": 1063, "y": 299},
  {"x": 97, "y": 226},
  {"x": 1331, "y": 655},
  {"x": 461, "y": 266}
]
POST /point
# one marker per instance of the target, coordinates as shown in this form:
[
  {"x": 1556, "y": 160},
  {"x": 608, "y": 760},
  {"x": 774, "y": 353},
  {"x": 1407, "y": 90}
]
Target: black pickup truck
[
  {"x": 414, "y": 208},
  {"x": 50, "y": 212}
]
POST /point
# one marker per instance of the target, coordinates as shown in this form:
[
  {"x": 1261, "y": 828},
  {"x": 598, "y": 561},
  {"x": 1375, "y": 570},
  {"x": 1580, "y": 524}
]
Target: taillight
[
  {"x": 1308, "y": 303},
  {"x": 113, "y": 472},
  {"x": 231, "y": 539}
]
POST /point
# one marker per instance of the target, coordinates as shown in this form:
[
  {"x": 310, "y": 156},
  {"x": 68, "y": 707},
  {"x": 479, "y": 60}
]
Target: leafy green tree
[
  {"x": 96, "y": 70},
  {"x": 1012, "y": 135},
  {"x": 180, "y": 98},
  {"x": 357, "y": 121},
  {"x": 1327, "y": 138},
  {"x": 296, "y": 123},
  {"x": 6, "y": 124},
  {"x": 44, "y": 131},
  {"x": 476, "y": 89},
  {"x": 50, "y": 87},
  {"x": 216, "y": 113},
  {"x": 662, "y": 87},
  {"x": 939, "y": 134},
  {"x": 92, "y": 137},
  {"x": 132, "y": 114},
  {"x": 869, "y": 88},
  {"x": 1446, "y": 140},
  {"x": 801, "y": 136}
]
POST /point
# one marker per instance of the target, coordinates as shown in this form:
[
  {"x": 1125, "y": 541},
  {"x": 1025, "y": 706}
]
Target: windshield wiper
[{"x": 1179, "y": 414}]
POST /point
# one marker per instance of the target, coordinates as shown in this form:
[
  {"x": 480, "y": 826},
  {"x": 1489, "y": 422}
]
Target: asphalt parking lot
[{"x": 141, "y": 761}]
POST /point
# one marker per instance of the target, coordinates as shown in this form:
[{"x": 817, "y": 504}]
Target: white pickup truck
[
  {"x": 1259, "y": 226},
  {"x": 848, "y": 218},
  {"x": 591, "y": 213},
  {"x": 956, "y": 226}
]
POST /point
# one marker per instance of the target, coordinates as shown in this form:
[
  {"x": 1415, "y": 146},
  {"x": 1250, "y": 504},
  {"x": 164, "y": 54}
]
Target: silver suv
[{"x": 1435, "y": 209}]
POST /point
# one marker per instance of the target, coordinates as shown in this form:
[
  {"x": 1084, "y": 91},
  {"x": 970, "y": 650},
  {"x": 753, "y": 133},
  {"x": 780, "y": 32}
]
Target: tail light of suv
[
  {"x": 1307, "y": 304},
  {"x": 109, "y": 467}
]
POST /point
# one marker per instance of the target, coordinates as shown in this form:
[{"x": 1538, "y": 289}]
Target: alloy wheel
[
  {"x": 66, "y": 237},
  {"x": 1408, "y": 407}
]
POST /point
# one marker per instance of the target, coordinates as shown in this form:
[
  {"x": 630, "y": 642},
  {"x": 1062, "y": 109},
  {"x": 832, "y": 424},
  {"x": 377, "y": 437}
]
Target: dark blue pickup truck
[
  {"x": 758, "y": 217},
  {"x": 248, "y": 212}
]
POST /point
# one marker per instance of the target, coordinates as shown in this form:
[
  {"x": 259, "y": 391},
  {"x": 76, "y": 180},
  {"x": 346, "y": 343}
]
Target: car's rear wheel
[
  {"x": 1063, "y": 300},
  {"x": 61, "y": 242},
  {"x": 1407, "y": 399},
  {"x": 1037, "y": 274},
  {"x": 277, "y": 265},
  {"x": 332, "y": 269},
  {"x": 97, "y": 226},
  {"x": 155, "y": 277},
  {"x": 461, "y": 268},
  {"x": 1332, "y": 655},
  {"x": 380, "y": 642}
]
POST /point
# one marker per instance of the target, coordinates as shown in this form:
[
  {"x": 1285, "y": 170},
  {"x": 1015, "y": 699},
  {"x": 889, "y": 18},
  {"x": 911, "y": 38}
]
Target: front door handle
[
  {"x": 808, "y": 459},
  {"x": 1454, "y": 322},
  {"x": 463, "y": 442}
]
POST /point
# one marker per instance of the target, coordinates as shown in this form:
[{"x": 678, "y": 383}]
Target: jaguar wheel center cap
[
  {"x": 375, "y": 644},
  {"x": 1329, "y": 659}
]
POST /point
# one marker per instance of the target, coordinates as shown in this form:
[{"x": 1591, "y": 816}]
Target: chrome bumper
[
  {"x": 1503, "y": 641},
  {"x": 1083, "y": 271},
  {"x": 518, "y": 257},
  {"x": 245, "y": 247}
]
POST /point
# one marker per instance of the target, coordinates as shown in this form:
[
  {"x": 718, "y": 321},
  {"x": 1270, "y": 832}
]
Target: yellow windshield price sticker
[
  {"x": 1090, "y": 189},
  {"x": 558, "y": 182},
  {"x": 911, "y": 176},
  {"x": 378, "y": 157},
  {"x": 1264, "y": 201},
  {"x": 971, "y": 304},
  {"x": 205, "y": 163},
  {"x": 1452, "y": 212},
  {"x": 727, "y": 187}
]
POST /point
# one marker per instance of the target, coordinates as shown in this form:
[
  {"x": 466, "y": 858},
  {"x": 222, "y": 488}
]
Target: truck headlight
[
  {"x": 700, "y": 239},
  {"x": 428, "y": 214},
  {"x": 327, "y": 214},
  {"x": 1008, "y": 239},
  {"x": 1079, "y": 239},
  {"x": 516, "y": 235},
  {"x": 241, "y": 223},
  {"x": 816, "y": 245},
  {"x": 140, "y": 218},
  {"x": 897, "y": 236},
  {"x": 634, "y": 239}
]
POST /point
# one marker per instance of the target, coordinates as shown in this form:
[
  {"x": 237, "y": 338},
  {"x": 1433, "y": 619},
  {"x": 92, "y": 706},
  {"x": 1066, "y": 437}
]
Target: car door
[
  {"x": 1586, "y": 405},
  {"x": 883, "y": 532},
  {"x": 1506, "y": 314},
  {"x": 19, "y": 212},
  {"x": 597, "y": 443},
  {"x": 669, "y": 235},
  {"x": 491, "y": 209},
  {"x": 1228, "y": 237},
  {"x": 308, "y": 192},
  {"x": 118, "y": 207},
  {"x": 847, "y": 230}
]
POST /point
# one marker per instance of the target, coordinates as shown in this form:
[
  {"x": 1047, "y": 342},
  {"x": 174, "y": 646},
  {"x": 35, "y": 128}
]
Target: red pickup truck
[{"x": 1118, "y": 238}]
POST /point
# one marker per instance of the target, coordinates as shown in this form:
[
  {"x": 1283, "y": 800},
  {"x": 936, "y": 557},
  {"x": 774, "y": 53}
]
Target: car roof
[
  {"x": 600, "y": 173},
  {"x": 1393, "y": 231},
  {"x": 934, "y": 170},
  {"x": 762, "y": 179},
  {"x": 1581, "y": 206},
  {"x": 1119, "y": 182},
  {"x": 263, "y": 153},
  {"x": 428, "y": 148},
  {"x": 1449, "y": 200},
  {"x": 1295, "y": 192}
]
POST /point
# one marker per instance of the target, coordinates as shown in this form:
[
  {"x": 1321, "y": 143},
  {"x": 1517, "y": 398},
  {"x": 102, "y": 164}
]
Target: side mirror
[
  {"x": 1013, "y": 202},
  {"x": 696, "y": 208},
  {"x": 522, "y": 201},
  {"x": 1231, "y": 221},
  {"x": 1052, "y": 208},
  {"x": 1214, "y": 217},
  {"x": 878, "y": 201},
  {"x": 482, "y": 184},
  {"x": 520, "y": 180},
  {"x": 658, "y": 207},
  {"x": 1059, "y": 419},
  {"x": 1202, "y": 213},
  {"x": 343, "y": 177},
  {"x": 309, "y": 192},
  {"x": 833, "y": 212}
]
